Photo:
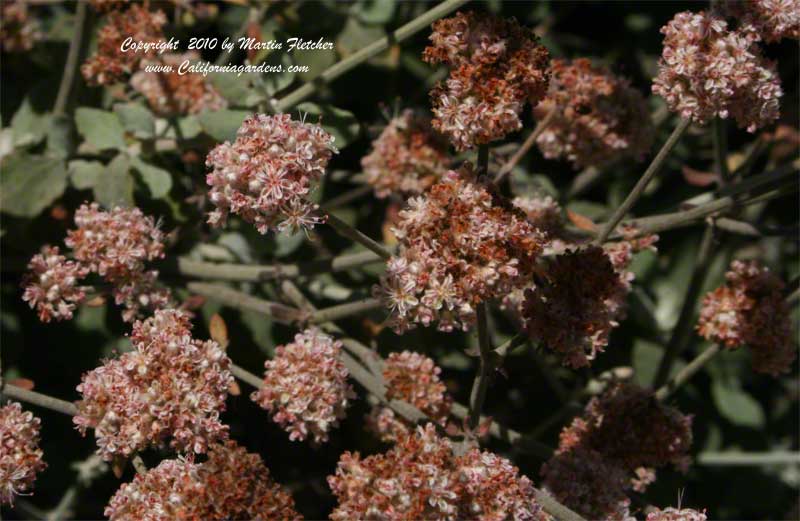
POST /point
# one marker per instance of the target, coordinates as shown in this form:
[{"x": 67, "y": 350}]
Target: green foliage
[
  {"x": 100, "y": 128},
  {"x": 29, "y": 183}
]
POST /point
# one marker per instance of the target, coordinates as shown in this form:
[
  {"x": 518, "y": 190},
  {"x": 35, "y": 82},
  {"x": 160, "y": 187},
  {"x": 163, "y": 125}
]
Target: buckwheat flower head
[
  {"x": 305, "y": 386},
  {"x": 573, "y": 305},
  {"x": 115, "y": 244},
  {"x": 20, "y": 455},
  {"x": 265, "y": 175},
  {"x": 422, "y": 478},
  {"x": 707, "y": 70},
  {"x": 110, "y": 64},
  {"x": 749, "y": 309},
  {"x": 407, "y": 158},
  {"x": 413, "y": 378},
  {"x": 583, "y": 480},
  {"x": 231, "y": 484},
  {"x": 629, "y": 427},
  {"x": 169, "y": 386},
  {"x": 496, "y": 66},
  {"x": 171, "y": 93},
  {"x": 675, "y": 514},
  {"x": 459, "y": 246},
  {"x": 51, "y": 286},
  {"x": 773, "y": 20},
  {"x": 18, "y": 30},
  {"x": 598, "y": 116}
]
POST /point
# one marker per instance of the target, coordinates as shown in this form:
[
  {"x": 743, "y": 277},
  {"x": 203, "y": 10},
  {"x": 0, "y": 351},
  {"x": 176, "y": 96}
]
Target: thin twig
[
  {"x": 42, "y": 400},
  {"x": 748, "y": 458},
  {"x": 683, "y": 330},
  {"x": 237, "y": 299},
  {"x": 720, "y": 139},
  {"x": 482, "y": 379},
  {"x": 246, "y": 376},
  {"x": 334, "y": 71},
  {"x": 348, "y": 232},
  {"x": 77, "y": 46},
  {"x": 346, "y": 197},
  {"x": 655, "y": 167},
  {"x": 686, "y": 373},
  {"x": 253, "y": 273},
  {"x": 526, "y": 146},
  {"x": 556, "y": 509},
  {"x": 344, "y": 310}
]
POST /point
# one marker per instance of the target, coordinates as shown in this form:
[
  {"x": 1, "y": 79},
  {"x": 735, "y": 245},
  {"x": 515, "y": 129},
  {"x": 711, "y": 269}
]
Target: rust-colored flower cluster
[
  {"x": 231, "y": 484},
  {"x": 169, "y": 386},
  {"x": 110, "y": 64},
  {"x": 750, "y": 309},
  {"x": 114, "y": 244},
  {"x": 568, "y": 308},
  {"x": 676, "y": 514},
  {"x": 305, "y": 386},
  {"x": 18, "y": 30},
  {"x": 20, "y": 455},
  {"x": 623, "y": 434},
  {"x": 173, "y": 94},
  {"x": 413, "y": 378},
  {"x": 459, "y": 246},
  {"x": 773, "y": 20},
  {"x": 407, "y": 158},
  {"x": 422, "y": 478},
  {"x": 266, "y": 174},
  {"x": 598, "y": 116},
  {"x": 496, "y": 66},
  {"x": 708, "y": 71}
]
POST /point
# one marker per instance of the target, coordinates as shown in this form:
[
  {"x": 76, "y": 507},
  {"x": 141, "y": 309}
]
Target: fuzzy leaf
[
  {"x": 115, "y": 186},
  {"x": 30, "y": 183},
  {"x": 158, "y": 180},
  {"x": 222, "y": 124},
  {"x": 100, "y": 128}
]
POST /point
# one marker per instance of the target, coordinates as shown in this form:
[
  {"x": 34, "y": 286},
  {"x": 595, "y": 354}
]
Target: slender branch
[
  {"x": 481, "y": 383},
  {"x": 251, "y": 273},
  {"x": 246, "y": 376},
  {"x": 364, "y": 54},
  {"x": 683, "y": 330},
  {"x": 655, "y": 167},
  {"x": 753, "y": 230},
  {"x": 138, "y": 464},
  {"x": 346, "y": 197},
  {"x": 686, "y": 373},
  {"x": 344, "y": 310},
  {"x": 348, "y": 232},
  {"x": 721, "y": 151},
  {"x": 748, "y": 458},
  {"x": 77, "y": 46},
  {"x": 42, "y": 400},
  {"x": 584, "y": 180},
  {"x": 240, "y": 300},
  {"x": 526, "y": 146},
  {"x": 556, "y": 509}
]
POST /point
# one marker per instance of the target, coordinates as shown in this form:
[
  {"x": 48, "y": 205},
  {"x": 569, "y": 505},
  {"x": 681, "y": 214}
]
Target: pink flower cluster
[
  {"x": 20, "y": 455},
  {"x": 114, "y": 244},
  {"x": 749, "y": 309},
  {"x": 110, "y": 64},
  {"x": 598, "y": 116},
  {"x": 18, "y": 30},
  {"x": 169, "y": 386},
  {"x": 266, "y": 174},
  {"x": 622, "y": 435},
  {"x": 421, "y": 477},
  {"x": 52, "y": 285},
  {"x": 413, "y": 378},
  {"x": 231, "y": 484},
  {"x": 459, "y": 246},
  {"x": 305, "y": 386},
  {"x": 496, "y": 66},
  {"x": 407, "y": 158},
  {"x": 676, "y": 514},
  {"x": 707, "y": 71},
  {"x": 172, "y": 94},
  {"x": 773, "y": 20}
]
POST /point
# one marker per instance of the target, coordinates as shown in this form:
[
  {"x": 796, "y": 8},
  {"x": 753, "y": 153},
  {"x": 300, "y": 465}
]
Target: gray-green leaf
[
  {"x": 100, "y": 128},
  {"x": 115, "y": 186},
  {"x": 84, "y": 174},
  {"x": 736, "y": 405},
  {"x": 222, "y": 124},
  {"x": 136, "y": 119},
  {"x": 158, "y": 180},
  {"x": 29, "y": 183}
]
